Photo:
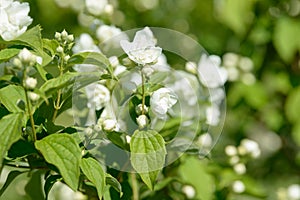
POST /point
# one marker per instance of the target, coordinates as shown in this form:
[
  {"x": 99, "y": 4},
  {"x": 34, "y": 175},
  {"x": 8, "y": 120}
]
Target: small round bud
[
  {"x": 64, "y": 34},
  {"x": 17, "y": 62},
  {"x": 59, "y": 49},
  {"x": 26, "y": 56},
  {"x": 142, "y": 121},
  {"x": 189, "y": 191},
  {"x": 33, "y": 96},
  {"x": 191, "y": 67},
  {"x": 30, "y": 83},
  {"x": 240, "y": 168},
  {"x": 57, "y": 36},
  {"x": 109, "y": 124},
  {"x": 238, "y": 187},
  {"x": 66, "y": 58},
  {"x": 70, "y": 38},
  {"x": 230, "y": 150}
]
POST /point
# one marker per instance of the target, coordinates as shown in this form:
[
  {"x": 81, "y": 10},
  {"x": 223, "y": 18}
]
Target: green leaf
[
  {"x": 10, "y": 95},
  {"x": 94, "y": 172},
  {"x": 292, "y": 106},
  {"x": 51, "y": 180},
  {"x": 193, "y": 171},
  {"x": 119, "y": 139},
  {"x": 31, "y": 38},
  {"x": 285, "y": 29},
  {"x": 10, "y": 132},
  {"x": 55, "y": 84},
  {"x": 110, "y": 180},
  {"x": 50, "y": 45},
  {"x": 6, "y": 54},
  {"x": 62, "y": 151},
  {"x": 236, "y": 14},
  {"x": 93, "y": 58},
  {"x": 148, "y": 154}
]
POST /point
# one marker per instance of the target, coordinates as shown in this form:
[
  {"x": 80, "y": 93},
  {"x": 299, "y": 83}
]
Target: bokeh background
[{"x": 259, "y": 43}]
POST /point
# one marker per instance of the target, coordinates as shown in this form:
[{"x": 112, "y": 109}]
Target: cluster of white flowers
[
  {"x": 247, "y": 148},
  {"x": 14, "y": 19},
  {"x": 239, "y": 68}
]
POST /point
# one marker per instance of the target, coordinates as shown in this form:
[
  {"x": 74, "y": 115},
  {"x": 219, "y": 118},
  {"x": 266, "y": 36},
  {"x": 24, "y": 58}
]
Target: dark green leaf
[
  {"x": 148, "y": 154},
  {"x": 118, "y": 139},
  {"x": 110, "y": 180},
  {"x": 10, "y": 132},
  {"x": 62, "y": 151},
  {"x": 50, "y": 45},
  {"x": 94, "y": 172},
  {"x": 21, "y": 148}
]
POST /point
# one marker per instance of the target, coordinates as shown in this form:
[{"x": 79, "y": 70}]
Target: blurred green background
[{"x": 265, "y": 109}]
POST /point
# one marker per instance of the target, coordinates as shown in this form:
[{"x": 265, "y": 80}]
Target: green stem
[
  {"x": 30, "y": 116},
  {"x": 134, "y": 185},
  {"x": 57, "y": 105}
]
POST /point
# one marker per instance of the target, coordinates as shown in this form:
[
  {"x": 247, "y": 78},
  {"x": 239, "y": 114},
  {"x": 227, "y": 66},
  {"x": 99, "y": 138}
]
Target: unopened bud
[
  {"x": 66, "y": 58},
  {"x": 142, "y": 121},
  {"x": 109, "y": 124},
  {"x": 191, "y": 67},
  {"x": 109, "y": 9},
  {"x": 64, "y": 34},
  {"x": 59, "y": 49},
  {"x": 70, "y": 38},
  {"x": 139, "y": 109},
  {"x": 26, "y": 56},
  {"x": 33, "y": 96},
  {"x": 57, "y": 36},
  {"x": 17, "y": 62},
  {"x": 30, "y": 83}
]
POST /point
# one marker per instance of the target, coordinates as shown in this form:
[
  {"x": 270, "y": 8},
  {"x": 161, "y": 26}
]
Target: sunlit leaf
[
  {"x": 148, "y": 154},
  {"x": 6, "y": 54},
  {"x": 10, "y": 95},
  {"x": 94, "y": 172},
  {"x": 292, "y": 105},
  {"x": 62, "y": 151},
  {"x": 110, "y": 180}
]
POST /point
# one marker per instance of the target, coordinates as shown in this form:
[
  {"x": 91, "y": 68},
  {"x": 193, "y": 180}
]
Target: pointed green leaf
[
  {"x": 93, "y": 58},
  {"x": 55, "y": 84},
  {"x": 6, "y": 54},
  {"x": 50, "y": 45},
  {"x": 94, "y": 172},
  {"x": 62, "y": 151},
  {"x": 148, "y": 154},
  {"x": 112, "y": 181},
  {"x": 31, "y": 38},
  {"x": 10, "y": 132},
  {"x": 9, "y": 97}
]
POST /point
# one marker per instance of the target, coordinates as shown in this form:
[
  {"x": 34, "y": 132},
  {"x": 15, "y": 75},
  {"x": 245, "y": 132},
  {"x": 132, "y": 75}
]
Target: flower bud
[
  {"x": 142, "y": 121},
  {"x": 66, "y": 58},
  {"x": 230, "y": 150},
  {"x": 64, "y": 34},
  {"x": 238, "y": 187},
  {"x": 189, "y": 191},
  {"x": 240, "y": 168},
  {"x": 33, "y": 96},
  {"x": 70, "y": 38},
  {"x": 109, "y": 9},
  {"x": 30, "y": 83},
  {"x": 59, "y": 49},
  {"x": 17, "y": 62},
  {"x": 191, "y": 67},
  {"x": 57, "y": 36},
  {"x": 109, "y": 124},
  {"x": 26, "y": 56}
]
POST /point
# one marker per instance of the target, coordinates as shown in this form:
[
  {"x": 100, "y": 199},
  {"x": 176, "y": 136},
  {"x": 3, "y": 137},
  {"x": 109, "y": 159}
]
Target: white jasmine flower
[
  {"x": 33, "y": 96},
  {"x": 14, "y": 19},
  {"x": 109, "y": 124},
  {"x": 212, "y": 115},
  {"x": 106, "y": 32},
  {"x": 191, "y": 67},
  {"x": 161, "y": 101},
  {"x": 96, "y": 7},
  {"x": 142, "y": 121},
  {"x": 293, "y": 192},
  {"x": 30, "y": 83},
  {"x": 98, "y": 96},
  {"x": 85, "y": 43},
  {"x": 238, "y": 187},
  {"x": 210, "y": 73},
  {"x": 189, "y": 191},
  {"x": 142, "y": 50},
  {"x": 230, "y": 150},
  {"x": 251, "y": 147},
  {"x": 240, "y": 168}
]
